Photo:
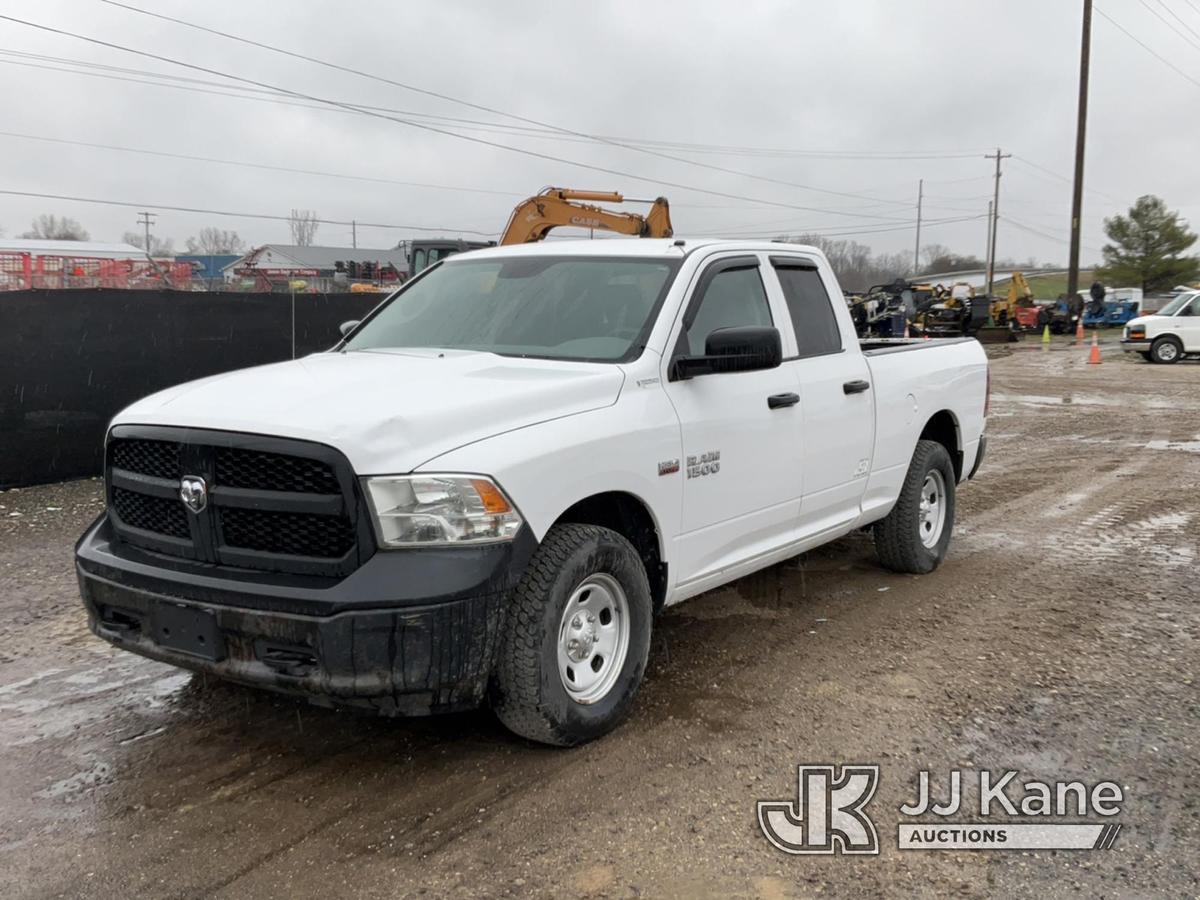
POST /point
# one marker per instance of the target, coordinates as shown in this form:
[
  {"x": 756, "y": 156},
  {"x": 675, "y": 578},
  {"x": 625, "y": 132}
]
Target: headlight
[{"x": 412, "y": 510}]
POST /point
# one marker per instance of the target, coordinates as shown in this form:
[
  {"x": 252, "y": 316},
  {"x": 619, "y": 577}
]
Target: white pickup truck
[{"x": 489, "y": 487}]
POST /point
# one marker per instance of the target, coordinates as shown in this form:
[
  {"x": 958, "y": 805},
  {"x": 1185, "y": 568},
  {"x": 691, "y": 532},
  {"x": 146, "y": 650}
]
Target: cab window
[
  {"x": 812, "y": 315},
  {"x": 730, "y": 295}
]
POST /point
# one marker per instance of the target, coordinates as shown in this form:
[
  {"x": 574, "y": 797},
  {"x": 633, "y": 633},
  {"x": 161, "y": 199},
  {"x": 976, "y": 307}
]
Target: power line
[
  {"x": 1173, "y": 28},
  {"x": 1117, "y": 25},
  {"x": 252, "y": 165},
  {"x": 1037, "y": 231},
  {"x": 244, "y": 215},
  {"x": 478, "y": 106},
  {"x": 1178, "y": 19},
  {"x": 178, "y": 82},
  {"x": 1060, "y": 177},
  {"x": 427, "y": 127},
  {"x": 830, "y": 231}
]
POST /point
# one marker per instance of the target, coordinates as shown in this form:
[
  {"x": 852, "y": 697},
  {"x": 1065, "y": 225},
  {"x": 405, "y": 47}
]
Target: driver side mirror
[
  {"x": 348, "y": 326},
  {"x": 743, "y": 349}
]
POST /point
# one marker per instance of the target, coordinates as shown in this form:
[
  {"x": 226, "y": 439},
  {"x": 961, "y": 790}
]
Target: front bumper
[
  {"x": 409, "y": 632},
  {"x": 1136, "y": 346}
]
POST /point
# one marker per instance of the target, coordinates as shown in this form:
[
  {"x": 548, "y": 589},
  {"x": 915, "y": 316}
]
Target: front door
[
  {"x": 741, "y": 468},
  {"x": 1188, "y": 319}
]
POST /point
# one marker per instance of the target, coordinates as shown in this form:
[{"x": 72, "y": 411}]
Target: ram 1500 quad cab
[{"x": 491, "y": 485}]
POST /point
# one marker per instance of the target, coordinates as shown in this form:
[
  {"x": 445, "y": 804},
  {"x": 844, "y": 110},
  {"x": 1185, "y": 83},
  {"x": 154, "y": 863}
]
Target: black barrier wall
[{"x": 69, "y": 360}]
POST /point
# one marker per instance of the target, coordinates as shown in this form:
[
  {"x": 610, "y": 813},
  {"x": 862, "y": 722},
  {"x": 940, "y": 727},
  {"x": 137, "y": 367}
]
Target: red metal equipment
[{"x": 26, "y": 271}]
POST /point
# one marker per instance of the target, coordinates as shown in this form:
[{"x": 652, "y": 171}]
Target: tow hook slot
[
  {"x": 121, "y": 621},
  {"x": 286, "y": 659}
]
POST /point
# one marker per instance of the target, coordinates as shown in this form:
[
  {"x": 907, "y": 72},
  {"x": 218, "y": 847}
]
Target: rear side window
[
  {"x": 808, "y": 304},
  {"x": 731, "y": 297}
]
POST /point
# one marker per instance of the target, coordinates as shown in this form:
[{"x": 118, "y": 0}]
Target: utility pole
[
  {"x": 917, "y": 251},
  {"x": 987, "y": 247},
  {"x": 353, "y": 234},
  {"x": 1085, "y": 53},
  {"x": 146, "y": 218},
  {"x": 991, "y": 261}
]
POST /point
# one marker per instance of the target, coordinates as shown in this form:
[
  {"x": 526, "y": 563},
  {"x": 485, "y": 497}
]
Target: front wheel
[
  {"x": 1166, "y": 350},
  {"x": 915, "y": 535},
  {"x": 577, "y": 638}
]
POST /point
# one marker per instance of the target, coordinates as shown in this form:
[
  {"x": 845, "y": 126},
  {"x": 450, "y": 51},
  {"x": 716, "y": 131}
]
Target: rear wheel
[
  {"x": 575, "y": 645},
  {"x": 916, "y": 533},
  {"x": 1166, "y": 350}
]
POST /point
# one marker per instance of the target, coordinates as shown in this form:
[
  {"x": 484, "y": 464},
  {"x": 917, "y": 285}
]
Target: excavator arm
[{"x": 553, "y": 208}]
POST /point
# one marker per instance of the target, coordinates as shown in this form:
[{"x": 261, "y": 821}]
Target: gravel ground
[{"x": 1059, "y": 639}]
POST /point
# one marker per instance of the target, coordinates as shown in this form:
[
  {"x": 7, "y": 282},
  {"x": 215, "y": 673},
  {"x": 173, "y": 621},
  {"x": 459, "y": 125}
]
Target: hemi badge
[{"x": 668, "y": 467}]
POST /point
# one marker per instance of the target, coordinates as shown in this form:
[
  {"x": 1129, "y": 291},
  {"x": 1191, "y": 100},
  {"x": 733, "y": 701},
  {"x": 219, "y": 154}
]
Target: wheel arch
[
  {"x": 943, "y": 427},
  {"x": 631, "y": 517}
]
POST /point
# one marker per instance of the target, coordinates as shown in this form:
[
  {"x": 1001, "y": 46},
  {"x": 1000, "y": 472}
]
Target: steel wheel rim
[
  {"x": 1167, "y": 351},
  {"x": 593, "y": 638},
  {"x": 931, "y": 513}
]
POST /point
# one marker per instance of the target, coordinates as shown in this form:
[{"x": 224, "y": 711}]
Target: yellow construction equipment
[
  {"x": 553, "y": 208},
  {"x": 1018, "y": 306}
]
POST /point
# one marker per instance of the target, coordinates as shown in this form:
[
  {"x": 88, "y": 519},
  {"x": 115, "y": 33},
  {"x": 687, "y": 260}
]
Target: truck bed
[{"x": 880, "y": 346}]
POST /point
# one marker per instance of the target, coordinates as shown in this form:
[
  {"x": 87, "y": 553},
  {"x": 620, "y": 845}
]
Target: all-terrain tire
[
  {"x": 527, "y": 691},
  {"x": 898, "y": 541},
  {"x": 1166, "y": 350}
]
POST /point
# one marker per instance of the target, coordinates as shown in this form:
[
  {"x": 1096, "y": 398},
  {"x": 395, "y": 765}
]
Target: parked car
[
  {"x": 1170, "y": 334},
  {"x": 490, "y": 486}
]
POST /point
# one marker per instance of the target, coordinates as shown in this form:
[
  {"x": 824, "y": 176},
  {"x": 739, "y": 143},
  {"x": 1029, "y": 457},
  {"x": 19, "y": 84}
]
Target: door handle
[
  {"x": 856, "y": 387},
  {"x": 778, "y": 401}
]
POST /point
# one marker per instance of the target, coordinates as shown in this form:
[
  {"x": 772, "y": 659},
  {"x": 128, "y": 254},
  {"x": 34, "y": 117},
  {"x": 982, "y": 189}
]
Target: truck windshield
[
  {"x": 1177, "y": 304},
  {"x": 598, "y": 309}
]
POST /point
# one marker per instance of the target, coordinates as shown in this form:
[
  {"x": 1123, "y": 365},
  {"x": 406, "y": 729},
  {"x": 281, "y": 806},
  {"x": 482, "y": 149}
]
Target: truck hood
[
  {"x": 388, "y": 411},
  {"x": 1142, "y": 320}
]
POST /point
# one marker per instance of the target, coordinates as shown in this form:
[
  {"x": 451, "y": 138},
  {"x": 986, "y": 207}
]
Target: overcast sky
[{"x": 834, "y": 87}]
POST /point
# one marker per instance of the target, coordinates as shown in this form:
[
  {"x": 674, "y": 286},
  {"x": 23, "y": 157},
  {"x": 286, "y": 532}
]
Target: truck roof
[{"x": 650, "y": 247}]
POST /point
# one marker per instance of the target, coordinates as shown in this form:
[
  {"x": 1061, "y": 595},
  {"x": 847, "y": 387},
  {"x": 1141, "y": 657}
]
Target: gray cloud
[{"x": 944, "y": 77}]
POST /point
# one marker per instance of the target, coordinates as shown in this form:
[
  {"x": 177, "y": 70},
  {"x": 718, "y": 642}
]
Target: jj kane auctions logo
[{"x": 829, "y": 814}]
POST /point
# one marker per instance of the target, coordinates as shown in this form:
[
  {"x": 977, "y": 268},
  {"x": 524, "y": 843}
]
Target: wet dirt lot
[{"x": 1060, "y": 639}]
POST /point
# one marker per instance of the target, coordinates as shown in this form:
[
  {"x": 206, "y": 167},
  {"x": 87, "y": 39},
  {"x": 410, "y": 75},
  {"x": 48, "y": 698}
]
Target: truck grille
[
  {"x": 273, "y": 504},
  {"x": 297, "y": 534},
  {"x": 157, "y": 458},
  {"x": 148, "y": 513}
]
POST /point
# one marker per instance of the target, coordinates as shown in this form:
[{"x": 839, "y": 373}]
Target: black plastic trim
[
  {"x": 198, "y": 457},
  {"x": 389, "y": 579}
]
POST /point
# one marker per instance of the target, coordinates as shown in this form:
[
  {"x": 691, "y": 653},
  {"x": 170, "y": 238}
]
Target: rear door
[
  {"x": 835, "y": 396},
  {"x": 741, "y": 468}
]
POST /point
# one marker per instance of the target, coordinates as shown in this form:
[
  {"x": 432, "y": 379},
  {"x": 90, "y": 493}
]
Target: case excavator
[{"x": 554, "y": 208}]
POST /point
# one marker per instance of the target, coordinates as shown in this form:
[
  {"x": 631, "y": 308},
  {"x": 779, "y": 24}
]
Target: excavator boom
[{"x": 554, "y": 208}]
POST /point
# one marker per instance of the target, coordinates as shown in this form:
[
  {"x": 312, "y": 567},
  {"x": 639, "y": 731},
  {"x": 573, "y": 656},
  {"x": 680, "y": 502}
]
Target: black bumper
[
  {"x": 409, "y": 632},
  {"x": 978, "y": 457}
]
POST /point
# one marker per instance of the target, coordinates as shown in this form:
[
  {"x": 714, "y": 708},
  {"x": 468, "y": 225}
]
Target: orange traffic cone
[
  {"x": 1079, "y": 329},
  {"x": 1094, "y": 356}
]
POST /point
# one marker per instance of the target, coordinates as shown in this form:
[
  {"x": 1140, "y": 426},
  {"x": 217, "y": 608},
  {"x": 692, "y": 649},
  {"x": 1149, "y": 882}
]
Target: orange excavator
[{"x": 553, "y": 208}]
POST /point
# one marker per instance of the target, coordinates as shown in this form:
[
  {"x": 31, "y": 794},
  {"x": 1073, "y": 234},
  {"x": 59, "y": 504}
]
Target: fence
[
  {"x": 69, "y": 360},
  {"x": 27, "y": 271}
]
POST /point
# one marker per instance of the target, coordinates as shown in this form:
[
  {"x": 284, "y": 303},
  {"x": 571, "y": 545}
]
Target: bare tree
[
  {"x": 856, "y": 267},
  {"x": 56, "y": 228},
  {"x": 158, "y": 246},
  {"x": 216, "y": 242},
  {"x": 931, "y": 253},
  {"x": 303, "y": 223}
]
